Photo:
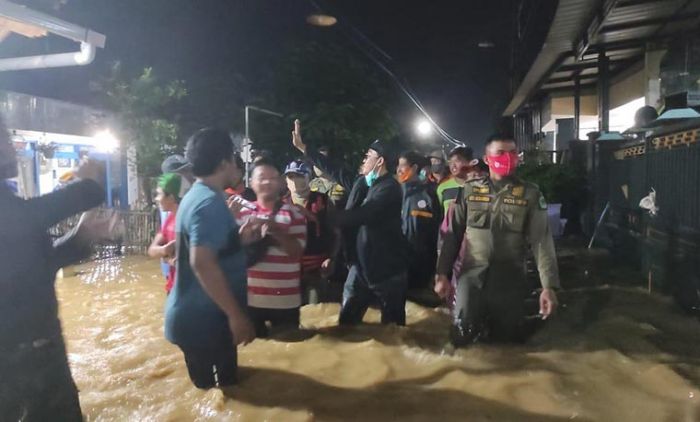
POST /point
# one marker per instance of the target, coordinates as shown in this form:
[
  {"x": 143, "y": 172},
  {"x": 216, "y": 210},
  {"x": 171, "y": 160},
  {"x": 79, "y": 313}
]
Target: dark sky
[{"x": 433, "y": 44}]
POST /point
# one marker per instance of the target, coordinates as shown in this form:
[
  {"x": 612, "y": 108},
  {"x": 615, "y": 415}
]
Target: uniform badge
[
  {"x": 518, "y": 191},
  {"x": 422, "y": 203},
  {"x": 478, "y": 198},
  {"x": 543, "y": 202},
  {"x": 515, "y": 201},
  {"x": 481, "y": 189}
]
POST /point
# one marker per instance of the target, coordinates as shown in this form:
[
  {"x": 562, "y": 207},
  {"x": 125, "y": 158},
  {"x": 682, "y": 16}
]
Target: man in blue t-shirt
[{"x": 205, "y": 313}]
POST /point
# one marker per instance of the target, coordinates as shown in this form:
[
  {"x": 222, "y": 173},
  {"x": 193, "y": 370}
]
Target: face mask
[
  {"x": 372, "y": 176},
  {"x": 301, "y": 189},
  {"x": 406, "y": 176},
  {"x": 505, "y": 164},
  {"x": 422, "y": 176},
  {"x": 437, "y": 168}
]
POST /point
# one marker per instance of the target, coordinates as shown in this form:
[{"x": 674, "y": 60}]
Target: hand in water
[
  {"x": 92, "y": 170},
  {"x": 241, "y": 329},
  {"x": 548, "y": 303},
  {"x": 296, "y": 137},
  {"x": 443, "y": 287}
]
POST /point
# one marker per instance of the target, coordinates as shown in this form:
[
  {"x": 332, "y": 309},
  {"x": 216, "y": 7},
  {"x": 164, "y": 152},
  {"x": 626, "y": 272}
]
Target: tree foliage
[
  {"x": 147, "y": 109},
  {"x": 559, "y": 183},
  {"x": 341, "y": 99}
]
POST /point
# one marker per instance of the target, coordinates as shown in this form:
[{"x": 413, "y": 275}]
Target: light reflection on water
[{"x": 613, "y": 355}]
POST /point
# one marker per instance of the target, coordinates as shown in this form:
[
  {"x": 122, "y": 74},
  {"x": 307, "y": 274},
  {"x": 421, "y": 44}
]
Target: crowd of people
[
  {"x": 458, "y": 225},
  {"x": 239, "y": 262}
]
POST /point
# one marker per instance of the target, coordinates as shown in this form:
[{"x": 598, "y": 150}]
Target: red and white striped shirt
[{"x": 273, "y": 282}]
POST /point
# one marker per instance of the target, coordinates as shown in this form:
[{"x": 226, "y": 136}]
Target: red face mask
[{"x": 505, "y": 164}]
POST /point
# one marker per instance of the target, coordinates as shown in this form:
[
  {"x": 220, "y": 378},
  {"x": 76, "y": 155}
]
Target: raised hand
[
  {"x": 91, "y": 169},
  {"x": 296, "y": 137}
]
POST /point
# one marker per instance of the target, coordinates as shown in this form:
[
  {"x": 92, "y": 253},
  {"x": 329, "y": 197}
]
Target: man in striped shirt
[{"x": 274, "y": 292}]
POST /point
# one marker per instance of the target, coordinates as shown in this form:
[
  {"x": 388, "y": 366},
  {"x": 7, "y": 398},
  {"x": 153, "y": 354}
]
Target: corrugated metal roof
[
  {"x": 622, "y": 32},
  {"x": 568, "y": 23}
]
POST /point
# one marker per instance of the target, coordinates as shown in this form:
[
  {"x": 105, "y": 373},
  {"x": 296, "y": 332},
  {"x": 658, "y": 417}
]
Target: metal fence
[
  {"x": 666, "y": 246},
  {"x": 136, "y": 231}
]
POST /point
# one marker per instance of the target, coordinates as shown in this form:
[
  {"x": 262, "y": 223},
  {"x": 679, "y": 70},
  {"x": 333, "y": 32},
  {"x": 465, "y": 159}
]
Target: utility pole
[{"x": 247, "y": 142}]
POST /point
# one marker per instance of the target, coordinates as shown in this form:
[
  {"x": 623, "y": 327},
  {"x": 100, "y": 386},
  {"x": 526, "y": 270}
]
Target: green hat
[{"x": 170, "y": 184}]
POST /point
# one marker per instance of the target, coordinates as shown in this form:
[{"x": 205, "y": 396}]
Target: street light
[
  {"x": 105, "y": 141},
  {"x": 321, "y": 20},
  {"x": 424, "y": 128},
  {"x": 247, "y": 143}
]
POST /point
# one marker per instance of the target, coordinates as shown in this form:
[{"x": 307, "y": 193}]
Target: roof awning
[
  {"x": 580, "y": 32},
  {"x": 30, "y": 23}
]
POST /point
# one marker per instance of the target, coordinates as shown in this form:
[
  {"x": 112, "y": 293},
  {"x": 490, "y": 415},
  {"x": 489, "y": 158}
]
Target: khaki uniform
[
  {"x": 498, "y": 222},
  {"x": 335, "y": 192}
]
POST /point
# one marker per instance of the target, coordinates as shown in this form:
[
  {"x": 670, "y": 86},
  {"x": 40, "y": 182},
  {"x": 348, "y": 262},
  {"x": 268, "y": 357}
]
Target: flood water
[{"x": 613, "y": 354}]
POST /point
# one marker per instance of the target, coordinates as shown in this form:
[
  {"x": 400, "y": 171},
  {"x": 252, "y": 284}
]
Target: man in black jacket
[
  {"x": 420, "y": 219},
  {"x": 374, "y": 243},
  {"x": 35, "y": 380}
]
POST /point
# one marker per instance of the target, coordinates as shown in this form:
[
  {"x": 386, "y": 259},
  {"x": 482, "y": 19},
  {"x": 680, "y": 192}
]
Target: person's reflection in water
[{"x": 35, "y": 380}]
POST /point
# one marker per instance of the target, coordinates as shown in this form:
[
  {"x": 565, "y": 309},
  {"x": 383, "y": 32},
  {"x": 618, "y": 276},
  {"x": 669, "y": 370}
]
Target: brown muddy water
[{"x": 611, "y": 355}]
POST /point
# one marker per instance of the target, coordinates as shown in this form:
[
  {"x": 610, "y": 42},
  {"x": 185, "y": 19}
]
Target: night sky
[{"x": 434, "y": 45}]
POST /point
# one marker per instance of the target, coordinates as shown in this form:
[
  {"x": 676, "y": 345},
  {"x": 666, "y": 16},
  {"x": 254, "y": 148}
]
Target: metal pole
[
  {"x": 577, "y": 106},
  {"x": 246, "y": 146},
  {"x": 603, "y": 92},
  {"x": 108, "y": 180},
  {"x": 248, "y": 141}
]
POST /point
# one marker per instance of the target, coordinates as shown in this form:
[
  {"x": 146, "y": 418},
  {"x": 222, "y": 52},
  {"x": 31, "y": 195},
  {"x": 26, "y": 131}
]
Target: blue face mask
[
  {"x": 371, "y": 177},
  {"x": 422, "y": 176}
]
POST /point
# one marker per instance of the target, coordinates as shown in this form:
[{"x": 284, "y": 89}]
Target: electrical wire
[{"x": 372, "y": 50}]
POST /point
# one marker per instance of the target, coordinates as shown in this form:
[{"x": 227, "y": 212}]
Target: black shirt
[{"x": 29, "y": 259}]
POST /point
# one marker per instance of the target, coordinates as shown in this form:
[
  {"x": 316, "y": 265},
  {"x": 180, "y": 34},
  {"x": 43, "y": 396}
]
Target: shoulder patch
[
  {"x": 543, "y": 202},
  {"x": 478, "y": 198}
]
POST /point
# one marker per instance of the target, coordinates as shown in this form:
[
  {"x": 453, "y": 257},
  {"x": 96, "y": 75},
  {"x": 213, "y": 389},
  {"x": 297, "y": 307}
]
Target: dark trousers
[
  {"x": 359, "y": 293},
  {"x": 421, "y": 271},
  {"x": 315, "y": 289},
  {"x": 36, "y": 383},
  {"x": 213, "y": 365},
  {"x": 493, "y": 305},
  {"x": 281, "y": 319}
]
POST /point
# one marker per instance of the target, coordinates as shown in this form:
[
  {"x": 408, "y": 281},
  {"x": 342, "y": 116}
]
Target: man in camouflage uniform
[{"x": 500, "y": 216}]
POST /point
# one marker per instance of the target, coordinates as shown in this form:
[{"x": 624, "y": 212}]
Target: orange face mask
[{"x": 406, "y": 176}]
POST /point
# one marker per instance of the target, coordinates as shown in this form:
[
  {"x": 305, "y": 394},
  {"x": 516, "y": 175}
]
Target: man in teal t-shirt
[{"x": 205, "y": 313}]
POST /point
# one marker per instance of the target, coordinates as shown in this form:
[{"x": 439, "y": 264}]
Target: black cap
[
  {"x": 174, "y": 164},
  {"x": 463, "y": 151},
  {"x": 380, "y": 148}
]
